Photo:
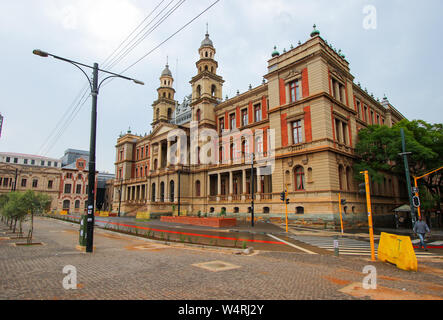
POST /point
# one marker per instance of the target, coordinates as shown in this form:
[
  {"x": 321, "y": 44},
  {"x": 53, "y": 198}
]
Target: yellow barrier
[
  {"x": 397, "y": 250},
  {"x": 63, "y": 213},
  {"x": 104, "y": 213},
  {"x": 143, "y": 215}
]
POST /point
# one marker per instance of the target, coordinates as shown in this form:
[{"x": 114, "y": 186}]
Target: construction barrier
[
  {"x": 103, "y": 213},
  {"x": 397, "y": 250},
  {"x": 143, "y": 215},
  {"x": 63, "y": 213}
]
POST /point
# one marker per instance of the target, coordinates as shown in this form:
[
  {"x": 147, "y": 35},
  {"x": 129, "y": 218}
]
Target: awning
[{"x": 403, "y": 208}]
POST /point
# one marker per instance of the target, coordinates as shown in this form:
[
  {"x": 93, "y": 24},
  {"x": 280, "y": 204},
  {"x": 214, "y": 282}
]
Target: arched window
[
  {"x": 309, "y": 174},
  {"x": 157, "y": 114},
  {"x": 169, "y": 114},
  {"x": 266, "y": 210},
  {"x": 171, "y": 191},
  {"x": 153, "y": 193},
  {"x": 66, "y": 204},
  {"x": 213, "y": 90},
  {"x": 164, "y": 94},
  {"x": 197, "y": 188},
  {"x": 299, "y": 178},
  {"x": 212, "y": 69},
  {"x": 206, "y": 54},
  {"x": 77, "y": 204},
  {"x": 199, "y": 91},
  {"x": 169, "y": 95},
  {"x": 231, "y": 151},
  {"x": 155, "y": 164},
  {"x": 220, "y": 155},
  {"x": 198, "y": 115},
  {"x": 206, "y": 68},
  {"x": 300, "y": 210},
  {"x": 162, "y": 192}
]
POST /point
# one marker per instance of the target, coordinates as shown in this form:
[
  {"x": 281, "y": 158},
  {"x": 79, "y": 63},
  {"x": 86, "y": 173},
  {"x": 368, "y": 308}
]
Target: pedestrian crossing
[{"x": 348, "y": 246}]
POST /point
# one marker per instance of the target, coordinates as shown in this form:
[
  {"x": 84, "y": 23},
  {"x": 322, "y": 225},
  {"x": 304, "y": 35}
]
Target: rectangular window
[
  {"x": 24, "y": 183},
  {"x": 55, "y": 164},
  {"x": 50, "y": 184},
  {"x": 5, "y": 182},
  {"x": 232, "y": 121},
  {"x": 68, "y": 188},
  {"x": 378, "y": 119},
  {"x": 345, "y": 133},
  {"x": 297, "y": 136},
  {"x": 137, "y": 154},
  {"x": 372, "y": 117},
  {"x": 257, "y": 112},
  {"x": 35, "y": 183},
  {"x": 358, "y": 109},
  {"x": 121, "y": 155},
  {"x": 8, "y": 159},
  {"x": 25, "y": 161},
  {"x": 49, "y": 163},
  {"x": 69, "y": 175},
  {"x": 244, "y": 117},
  {"x": 294, "y": 90},
  {"x": 142, "y": 150},
  {"x": 42, "y": 163},
  {"x": 78, "y": 189},
  {"x": 221, "y": 124},
  {"x": 365, "y": 114},
  {"x": 32, "y": 161},
  {"x": 15, "y": 160}
]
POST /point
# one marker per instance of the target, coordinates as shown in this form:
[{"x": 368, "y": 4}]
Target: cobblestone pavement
[{"x": 125, "y": 267}]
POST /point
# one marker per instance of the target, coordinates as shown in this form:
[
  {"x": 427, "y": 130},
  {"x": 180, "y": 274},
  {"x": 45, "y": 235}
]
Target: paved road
[{"x": 126, "y": 267}]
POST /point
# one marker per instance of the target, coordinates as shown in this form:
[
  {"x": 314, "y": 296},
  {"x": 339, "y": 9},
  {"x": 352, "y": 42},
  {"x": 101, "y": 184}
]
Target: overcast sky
[{"x": 400, "y": 58}]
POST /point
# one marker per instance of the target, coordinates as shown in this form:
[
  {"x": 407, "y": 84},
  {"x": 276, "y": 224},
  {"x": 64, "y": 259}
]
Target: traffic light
[
  {"x": 416, "y": 201},
  {"x": 343, "y": 201},
  {"x": 282, "y": 196},
  {"x": 362, "y": 189},
  {"x": 287, "y": 200}
]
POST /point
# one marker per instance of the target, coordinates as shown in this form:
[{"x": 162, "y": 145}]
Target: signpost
[{"x": 368, "y": 203}]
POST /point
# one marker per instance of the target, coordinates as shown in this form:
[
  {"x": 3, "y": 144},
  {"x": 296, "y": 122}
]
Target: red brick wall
[
  {"x": 284, "y": 130},
  {"x": 308, "y": 124},
  {"x": 305, "y": 83}
]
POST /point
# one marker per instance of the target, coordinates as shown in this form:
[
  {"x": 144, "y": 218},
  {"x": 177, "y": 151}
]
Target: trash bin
[{"x": 83, "y": 226}]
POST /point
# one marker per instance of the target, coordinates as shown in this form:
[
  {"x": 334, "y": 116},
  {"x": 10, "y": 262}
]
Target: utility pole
[
  {"x": 94, "y": 86},
  {"x": 408, "y": 177}
]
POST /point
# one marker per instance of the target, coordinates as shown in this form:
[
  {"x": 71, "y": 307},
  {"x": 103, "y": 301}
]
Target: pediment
[{"x": 162, "y": 129}]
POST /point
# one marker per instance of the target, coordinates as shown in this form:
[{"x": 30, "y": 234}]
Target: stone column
[
  {"x": 243, "y": 184},
  {"x": 230, "y": 186},
  {"x": 218, "y": 186},
  {"x": 159, "y": 155},
  {"x": 168, "y": 155},
  {"x": 337, "y": 90}
]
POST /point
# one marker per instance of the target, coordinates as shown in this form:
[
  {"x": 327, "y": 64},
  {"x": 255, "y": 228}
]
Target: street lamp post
[
  {"x": 405, "y": 154},
  {"x": 95, "y": 87}
]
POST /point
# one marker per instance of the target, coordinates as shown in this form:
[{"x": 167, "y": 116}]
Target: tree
[
  {"x": 35, "y": 203},
  {"x": 14, "y": 208},
  {"x": 378, "y": 149}
]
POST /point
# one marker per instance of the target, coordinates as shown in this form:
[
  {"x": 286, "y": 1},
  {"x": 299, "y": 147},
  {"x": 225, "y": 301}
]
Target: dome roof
[
  {"x": 315, "y": 32},
  {"x": 207, "y": 42},
  {"x": 275, "y": 52},
  {"x": 166, "y": 72}
]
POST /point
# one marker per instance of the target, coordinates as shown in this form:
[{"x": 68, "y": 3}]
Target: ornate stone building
[{"x": 303, "y": 120}]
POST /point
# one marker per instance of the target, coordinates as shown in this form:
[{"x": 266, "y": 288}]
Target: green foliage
[
  {"x": 379, "y": 147},
  {"x": 244, "y": 245}
]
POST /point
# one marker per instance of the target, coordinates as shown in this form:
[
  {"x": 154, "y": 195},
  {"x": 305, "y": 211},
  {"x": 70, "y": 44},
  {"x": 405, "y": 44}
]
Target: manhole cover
[{"x": 216, "y": 266}]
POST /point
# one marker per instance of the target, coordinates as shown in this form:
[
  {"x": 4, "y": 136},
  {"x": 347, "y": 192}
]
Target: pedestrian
[{"x": 420, "y": 229}]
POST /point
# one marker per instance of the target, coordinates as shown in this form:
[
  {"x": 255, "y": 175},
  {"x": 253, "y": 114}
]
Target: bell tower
[
  {"x": 206, "y": 85},
  {"x": 164, "y": 106}
]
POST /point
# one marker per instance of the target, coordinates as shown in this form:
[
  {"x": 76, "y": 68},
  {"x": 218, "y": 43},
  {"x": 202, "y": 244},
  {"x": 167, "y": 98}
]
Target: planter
[{"x": 208, "y": 222}]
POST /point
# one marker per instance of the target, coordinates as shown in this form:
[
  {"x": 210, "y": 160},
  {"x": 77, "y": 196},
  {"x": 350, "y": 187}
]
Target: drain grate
[{"x": 216, "y": 266}]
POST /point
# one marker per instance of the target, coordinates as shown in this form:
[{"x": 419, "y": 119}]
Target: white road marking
[{"x": 292, "y": 245}]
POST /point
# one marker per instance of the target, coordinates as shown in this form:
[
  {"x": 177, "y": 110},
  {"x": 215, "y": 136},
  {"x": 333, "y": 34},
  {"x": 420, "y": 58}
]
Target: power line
[{"x": 59, "y": 128}]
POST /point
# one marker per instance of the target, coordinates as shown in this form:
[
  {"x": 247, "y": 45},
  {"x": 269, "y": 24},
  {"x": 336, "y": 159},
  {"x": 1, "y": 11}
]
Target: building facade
[
  {"x": 22, "y": 172},
  {"x": 301, "y": 125},
  {"x": 65, "y": 179}
]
